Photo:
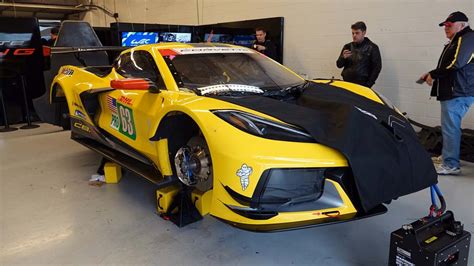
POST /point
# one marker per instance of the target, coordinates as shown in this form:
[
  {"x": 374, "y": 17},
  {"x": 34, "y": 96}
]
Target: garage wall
[{"x": 406, "y": 32}]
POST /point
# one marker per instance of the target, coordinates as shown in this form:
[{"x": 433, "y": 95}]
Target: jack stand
[
  {"x": 110, "y": 170},
  {"x": 7, "y": 127},
  {"x": 29, "y": 125},
  {"x": 182, "y": 210},
  {"x": 112, "y": 173}
]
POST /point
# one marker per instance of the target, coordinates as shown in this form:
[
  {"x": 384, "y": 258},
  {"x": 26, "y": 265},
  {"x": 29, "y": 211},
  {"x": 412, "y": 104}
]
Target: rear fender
[{"x": 72, "y": 82}]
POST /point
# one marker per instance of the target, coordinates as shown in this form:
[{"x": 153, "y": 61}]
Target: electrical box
[{"x": 430, "y": 241}]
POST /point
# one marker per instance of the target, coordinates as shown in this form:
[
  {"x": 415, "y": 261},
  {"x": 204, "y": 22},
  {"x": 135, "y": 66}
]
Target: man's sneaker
[
  {"x": 437, "y": 160},
  {"x": 446, "y": 170}
]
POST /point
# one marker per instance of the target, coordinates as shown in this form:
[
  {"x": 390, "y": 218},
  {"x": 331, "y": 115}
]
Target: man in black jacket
[
  {"x": 360, "y": 58},
  {"x": 264, "y": 45},
  {"x": 453, "y": 85}
]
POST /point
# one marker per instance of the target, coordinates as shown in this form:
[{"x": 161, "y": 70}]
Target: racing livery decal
[
  {"x": 79, "y": 114},
  {"x": 244, "y": 172},
  {"x": 122, "y": 116},
  {"x": 67, "y": 71},
  {"x": 115, "y": 123},
  {"x": 112, "y": 104},
  {"x": 127, "y": 126},
  {"x": 82, "y": 126},
  {"x": 125, "y": 100}
]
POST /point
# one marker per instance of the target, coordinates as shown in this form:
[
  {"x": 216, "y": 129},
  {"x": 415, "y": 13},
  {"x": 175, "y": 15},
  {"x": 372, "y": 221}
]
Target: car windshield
[{"x": 216, "y": 73}]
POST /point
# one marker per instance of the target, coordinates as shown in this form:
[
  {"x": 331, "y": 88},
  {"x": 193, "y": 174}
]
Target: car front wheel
[{"x": 193, "y": 164}]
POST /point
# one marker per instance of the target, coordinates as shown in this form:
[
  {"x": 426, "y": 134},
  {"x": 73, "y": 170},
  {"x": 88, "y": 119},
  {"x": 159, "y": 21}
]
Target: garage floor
[{"x": 49, "y": 214}]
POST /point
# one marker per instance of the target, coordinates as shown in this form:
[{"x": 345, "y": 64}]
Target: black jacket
[
  {"x": 270, "y": 48},
  {"x": 454, "y": 76},
  {"x": 364, "y": 66}
]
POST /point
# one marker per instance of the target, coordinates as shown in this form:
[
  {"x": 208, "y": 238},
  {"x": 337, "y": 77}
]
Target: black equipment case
[{"x": 430, "y": 241}]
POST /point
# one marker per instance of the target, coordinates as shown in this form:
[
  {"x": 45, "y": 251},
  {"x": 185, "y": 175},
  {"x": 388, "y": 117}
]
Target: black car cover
[{"x": 380, "y": 145}]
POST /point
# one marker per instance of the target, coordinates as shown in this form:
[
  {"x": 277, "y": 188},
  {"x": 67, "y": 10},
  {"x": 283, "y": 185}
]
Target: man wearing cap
[{"x": 453, "y": 85}]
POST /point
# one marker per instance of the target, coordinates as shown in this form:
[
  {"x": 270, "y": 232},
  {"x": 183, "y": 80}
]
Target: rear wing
[
  {"x": 67, "y": 50},
  {"x": 85, "y": 56}
]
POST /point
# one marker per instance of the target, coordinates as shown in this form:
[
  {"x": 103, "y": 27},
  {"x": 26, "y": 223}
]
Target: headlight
[{"x": 262, "y": 127}]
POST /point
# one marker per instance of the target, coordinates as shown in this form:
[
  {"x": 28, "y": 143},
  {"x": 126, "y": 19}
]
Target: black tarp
[{"x": 382, "y": 148}]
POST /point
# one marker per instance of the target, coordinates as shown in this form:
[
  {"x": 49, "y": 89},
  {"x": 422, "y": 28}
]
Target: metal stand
[
  {"x": 29, "y": 125},
  {"x": 7, "y": 127},
  {"x": 182, "y": 210}
]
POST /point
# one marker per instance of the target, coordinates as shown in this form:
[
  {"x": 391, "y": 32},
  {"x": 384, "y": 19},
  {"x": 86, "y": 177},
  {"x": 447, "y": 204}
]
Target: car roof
[{"x": 177, "y": 45}]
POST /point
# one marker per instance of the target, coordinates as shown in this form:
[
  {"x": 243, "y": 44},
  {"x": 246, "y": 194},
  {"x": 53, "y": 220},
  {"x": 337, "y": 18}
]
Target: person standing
[
  {"x": 54, "y": 36},
  {"x": 263, "y": 45},
  {"x": 453, "y": 85},
  {"x": 360, "y": 58}
]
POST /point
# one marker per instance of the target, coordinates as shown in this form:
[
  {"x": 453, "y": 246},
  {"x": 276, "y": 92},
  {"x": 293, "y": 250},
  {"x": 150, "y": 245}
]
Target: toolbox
[{"x": 430, "y": 241}]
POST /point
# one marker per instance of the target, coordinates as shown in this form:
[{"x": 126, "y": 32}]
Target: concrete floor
[{"x": 49, "y": 214}]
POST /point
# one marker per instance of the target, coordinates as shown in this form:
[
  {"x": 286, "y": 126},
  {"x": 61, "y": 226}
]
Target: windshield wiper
[
  {"x": 291, "y": 90},
  {"x": 299, "y": 87}
]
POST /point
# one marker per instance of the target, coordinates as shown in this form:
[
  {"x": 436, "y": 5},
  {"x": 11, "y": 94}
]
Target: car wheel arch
[
  {"x": 178, "y": 128},
  {"x": 61, "y": 105}
]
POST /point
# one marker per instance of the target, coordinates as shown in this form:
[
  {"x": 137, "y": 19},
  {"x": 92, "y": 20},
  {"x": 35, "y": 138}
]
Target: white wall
[{"x": 407, "y": 33}]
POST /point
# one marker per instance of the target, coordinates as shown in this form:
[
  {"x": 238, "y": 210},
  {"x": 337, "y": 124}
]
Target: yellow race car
[{"x": 257, "y": 145}]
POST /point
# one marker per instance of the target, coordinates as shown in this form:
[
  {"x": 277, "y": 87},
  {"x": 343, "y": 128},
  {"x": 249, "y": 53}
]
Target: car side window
[{"x": 139, "y": 64}]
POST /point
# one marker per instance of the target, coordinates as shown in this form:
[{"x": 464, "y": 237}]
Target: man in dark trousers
[
  {"x": 263, "y": 45},
  {"x": 453, "y": 85},
  {"x": 360, "y": 58}
]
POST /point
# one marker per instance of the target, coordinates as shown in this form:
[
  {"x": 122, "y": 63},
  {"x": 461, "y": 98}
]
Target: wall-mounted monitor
[
  {"x": 244, "y": 40},
  {"x": 184, "y": 37},
  {"x": 135, "y": 38},
  {"x": 222, "y": 38}
]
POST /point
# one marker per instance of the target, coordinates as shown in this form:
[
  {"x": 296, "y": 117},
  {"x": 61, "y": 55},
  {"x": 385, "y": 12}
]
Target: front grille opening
[{"x": 285, "y": 189}]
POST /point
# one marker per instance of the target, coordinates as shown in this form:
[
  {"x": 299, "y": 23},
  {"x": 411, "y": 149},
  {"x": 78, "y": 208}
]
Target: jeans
[{"x": 452, "y": 113}]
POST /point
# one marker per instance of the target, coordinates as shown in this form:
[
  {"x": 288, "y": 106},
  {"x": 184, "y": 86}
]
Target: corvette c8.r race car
[{"x": 267, "y": 149}]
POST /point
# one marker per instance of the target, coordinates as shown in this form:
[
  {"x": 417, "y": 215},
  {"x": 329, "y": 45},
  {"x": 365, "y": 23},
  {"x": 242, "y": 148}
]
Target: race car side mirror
[{"x": 134, "y": 84}]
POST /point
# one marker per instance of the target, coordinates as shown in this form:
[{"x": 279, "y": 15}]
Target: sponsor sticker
[
  {"x": 115, "y": 123},
  {"x": 67, "y": 71},
  {"x": 125, "y": 100},
  {"x": 211, "y": 50},
  {"x": 79, "y": 114},
  {"x": 244, "y": 172},
  {"x": 81, "y": 126}
]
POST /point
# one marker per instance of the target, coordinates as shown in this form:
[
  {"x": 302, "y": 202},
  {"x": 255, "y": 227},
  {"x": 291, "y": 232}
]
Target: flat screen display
[
  {"x": 244, "y": 40},
  {"x": 135, "y": 38},
  {"x": 184, "y": 37},
  {"x": 222, "y": 38}
]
